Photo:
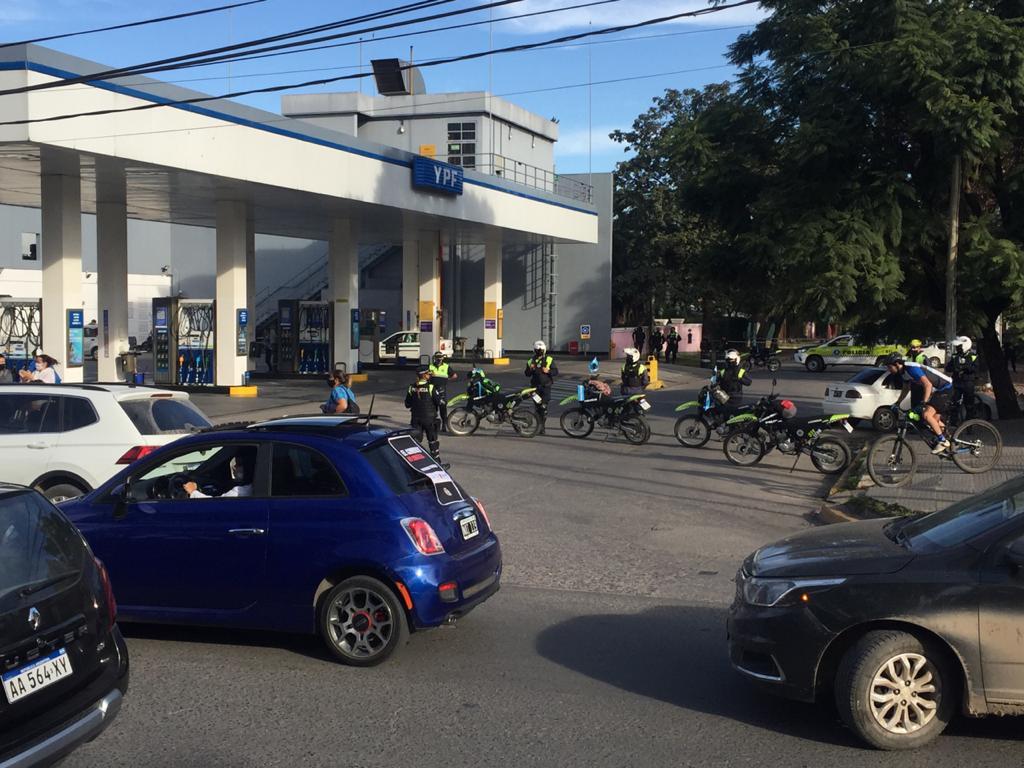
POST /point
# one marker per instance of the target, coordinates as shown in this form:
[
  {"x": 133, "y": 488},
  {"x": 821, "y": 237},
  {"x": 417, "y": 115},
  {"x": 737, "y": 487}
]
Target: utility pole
[{"x": 954, "y": 236}]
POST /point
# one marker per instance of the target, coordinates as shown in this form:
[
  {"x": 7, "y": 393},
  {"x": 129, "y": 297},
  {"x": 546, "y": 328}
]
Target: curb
[
  {"x": 838, "y": 485},
  {"x": 830, "y": 515}
]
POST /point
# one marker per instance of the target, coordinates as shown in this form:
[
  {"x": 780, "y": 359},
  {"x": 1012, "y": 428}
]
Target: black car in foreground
[
  {"x": 903, "y": 621},
  {"x": 63, "y": 662}
]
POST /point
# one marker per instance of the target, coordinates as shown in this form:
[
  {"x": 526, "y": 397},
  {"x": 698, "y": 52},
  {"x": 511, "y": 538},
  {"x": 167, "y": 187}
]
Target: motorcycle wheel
[
  {"x": 462, "y": 422},
  {"x": 743, "y": 449},
  {"x": 692, "y": 431},
  {"x": 774, "y": 364},
  {"x": 525, "y": 422},
  {"x": 576, "y": 423},
  {"x": 635, "y": 429},
  {"x": 830, "y": 456}
]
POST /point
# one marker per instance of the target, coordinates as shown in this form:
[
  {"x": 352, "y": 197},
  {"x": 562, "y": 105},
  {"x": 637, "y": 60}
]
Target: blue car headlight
[{"x": 771, "y": 592}]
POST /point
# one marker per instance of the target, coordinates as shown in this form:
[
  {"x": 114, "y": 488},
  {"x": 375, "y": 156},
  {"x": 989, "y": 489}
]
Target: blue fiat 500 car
[{"x": 319, "y": 524}]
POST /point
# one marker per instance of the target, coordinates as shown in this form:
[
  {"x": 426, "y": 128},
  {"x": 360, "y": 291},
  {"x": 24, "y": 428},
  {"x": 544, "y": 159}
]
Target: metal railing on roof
[{"x": 531, "y": 176}]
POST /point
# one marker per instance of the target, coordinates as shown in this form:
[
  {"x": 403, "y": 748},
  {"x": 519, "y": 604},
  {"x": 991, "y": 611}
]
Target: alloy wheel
[{"x": 903, "y": 695}]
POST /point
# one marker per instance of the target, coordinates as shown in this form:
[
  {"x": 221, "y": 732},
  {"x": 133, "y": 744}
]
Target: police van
[{"x": 844, "y": 350}]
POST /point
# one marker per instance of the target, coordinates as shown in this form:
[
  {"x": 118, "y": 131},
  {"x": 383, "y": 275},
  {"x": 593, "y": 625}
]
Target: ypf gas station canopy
[{"x": 241, "y": 170}]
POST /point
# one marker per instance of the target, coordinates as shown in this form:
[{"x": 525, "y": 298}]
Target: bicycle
[{"x": 976, "y": 448}]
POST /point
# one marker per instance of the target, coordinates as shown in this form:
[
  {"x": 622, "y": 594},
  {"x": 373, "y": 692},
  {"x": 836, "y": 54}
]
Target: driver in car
[{"x": 242, "y": 486}]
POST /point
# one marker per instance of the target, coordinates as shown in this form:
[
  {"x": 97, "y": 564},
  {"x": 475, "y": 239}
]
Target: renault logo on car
[{"x": 34, "y": 618}]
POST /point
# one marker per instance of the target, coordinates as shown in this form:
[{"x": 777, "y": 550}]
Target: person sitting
[
  {"x": 45, "y": 371},
  {"x": 342, "y": 399},
  {"x": 242, "y": 484}
]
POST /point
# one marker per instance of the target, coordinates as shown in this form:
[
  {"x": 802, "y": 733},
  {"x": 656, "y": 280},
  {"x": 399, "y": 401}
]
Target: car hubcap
[
  {"x": 904, "y": 698},
  {"x": 361, "y": 623}
]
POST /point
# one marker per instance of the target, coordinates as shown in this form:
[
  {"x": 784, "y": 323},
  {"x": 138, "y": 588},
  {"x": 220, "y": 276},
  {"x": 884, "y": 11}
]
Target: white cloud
[
  {"x": 625, "y": 12},
  {"x": 574, "y": 143}
]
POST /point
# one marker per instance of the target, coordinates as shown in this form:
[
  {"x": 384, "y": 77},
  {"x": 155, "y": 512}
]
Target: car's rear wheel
[
  {"x": 59, "y": 492},
  {"x": 895, "y": 691},
  {"x": 883, "y": 419},
  {"x": 815, "y": 364},
  {"x": 934, "y": 362},
  {"x": 362, "y": 622}
]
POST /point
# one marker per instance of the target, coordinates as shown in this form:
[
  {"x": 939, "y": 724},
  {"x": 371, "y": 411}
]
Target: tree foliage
[{"x": 819, "y": 183}]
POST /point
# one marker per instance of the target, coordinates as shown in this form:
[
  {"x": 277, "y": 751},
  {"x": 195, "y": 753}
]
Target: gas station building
[{"x": 240, "y": 171}]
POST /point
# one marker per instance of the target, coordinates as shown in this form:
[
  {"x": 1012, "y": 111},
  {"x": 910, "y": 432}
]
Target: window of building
[{"x": 462, "y": 144}]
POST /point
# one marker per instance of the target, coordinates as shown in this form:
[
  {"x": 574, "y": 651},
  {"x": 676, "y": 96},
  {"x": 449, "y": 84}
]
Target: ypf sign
[{"x": 436, "y": 176}]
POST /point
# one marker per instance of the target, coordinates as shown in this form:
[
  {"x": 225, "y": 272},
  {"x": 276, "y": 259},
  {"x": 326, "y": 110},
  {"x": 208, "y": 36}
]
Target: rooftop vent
[{"x": 393, "y": 80}]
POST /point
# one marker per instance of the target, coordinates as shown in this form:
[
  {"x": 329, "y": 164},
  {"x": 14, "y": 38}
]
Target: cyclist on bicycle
[{"x": 929, "y": 390}]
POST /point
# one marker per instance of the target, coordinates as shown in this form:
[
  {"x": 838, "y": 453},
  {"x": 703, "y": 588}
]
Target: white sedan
[{"x": 868, "y": 395}]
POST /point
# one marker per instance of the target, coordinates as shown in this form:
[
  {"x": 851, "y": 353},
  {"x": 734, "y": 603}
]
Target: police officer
[
  {"x": 423, "y": 401},
  {"x": 542, "y": 370},
  {"x": 639, "y": 337},
  {"x": 732, "y": 377},
  {"x": 916, "y": 352},
  {"x": 657, "y": 339},
  {"x": 962, "y": 367},
  {"x": 635, "y": 377},
  {"x": 672, "y": 344},
  {"x": 440, "y": 374}
]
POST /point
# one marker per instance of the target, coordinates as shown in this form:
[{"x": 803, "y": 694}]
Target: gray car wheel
[{"x": 362, "y": 622}]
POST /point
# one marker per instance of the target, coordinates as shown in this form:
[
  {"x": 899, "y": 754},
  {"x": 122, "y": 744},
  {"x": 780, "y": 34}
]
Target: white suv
[{"x": 66, "y": 439}]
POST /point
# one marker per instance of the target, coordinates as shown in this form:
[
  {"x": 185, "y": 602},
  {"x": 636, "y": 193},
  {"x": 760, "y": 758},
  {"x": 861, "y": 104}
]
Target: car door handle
[
  {"x": 246, "y": 531},
  {"x": 38, "y": 446}
]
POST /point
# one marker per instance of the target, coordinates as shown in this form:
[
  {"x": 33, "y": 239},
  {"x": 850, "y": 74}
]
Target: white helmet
[
  {"x": 540, "y": 346},
  {"x": 632, "y": 354},
  {"x": 962, "y": 343},
  {"x": 732, "y": 356}
]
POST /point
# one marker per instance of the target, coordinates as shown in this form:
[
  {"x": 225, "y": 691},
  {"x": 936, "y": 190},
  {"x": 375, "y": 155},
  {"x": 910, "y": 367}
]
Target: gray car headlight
[{"x": 769, "y": 592}]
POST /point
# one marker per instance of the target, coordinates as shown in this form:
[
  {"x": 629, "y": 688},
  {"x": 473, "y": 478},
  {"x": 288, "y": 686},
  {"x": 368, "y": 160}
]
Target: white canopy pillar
[
  {"x": 250, "y": 280},
  {"x": 111, "y": 267},
  {"x": 61, "y": 192},
  {"x": 232, "y": 284},
  {"x": 429, "y": 292},
  {"x": 492, "y": 293},
  {"x": 343, "y": 289},
  {"x": 410, "y": 278}
]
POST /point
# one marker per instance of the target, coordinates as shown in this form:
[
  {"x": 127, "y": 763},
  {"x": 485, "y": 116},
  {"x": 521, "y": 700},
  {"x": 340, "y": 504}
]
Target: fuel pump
[
  {"x": 21, "y": 332},
  {"x": 304, "y": 336},
  {"x": 183, "y": 341}
]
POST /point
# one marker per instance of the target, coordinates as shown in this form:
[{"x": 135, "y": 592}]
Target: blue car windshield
[{"x": 965, "y": 520}]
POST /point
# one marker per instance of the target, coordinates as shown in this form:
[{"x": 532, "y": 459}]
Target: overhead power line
[
  {"x": 436, "y": 62},
  {"x": 155, "y": 65},
  {"x": 127, "y": 25}
]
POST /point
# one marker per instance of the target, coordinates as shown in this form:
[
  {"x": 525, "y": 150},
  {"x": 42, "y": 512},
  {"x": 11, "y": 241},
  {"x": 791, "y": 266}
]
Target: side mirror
[{"x": 120, "y": 498}]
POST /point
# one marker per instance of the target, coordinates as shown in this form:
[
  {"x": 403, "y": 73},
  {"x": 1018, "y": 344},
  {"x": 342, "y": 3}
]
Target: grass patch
[{"x": 865, "y": 506}]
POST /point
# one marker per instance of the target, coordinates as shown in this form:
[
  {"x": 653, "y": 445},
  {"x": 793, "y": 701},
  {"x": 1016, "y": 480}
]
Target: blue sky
[{"x": 699, "y": 46}]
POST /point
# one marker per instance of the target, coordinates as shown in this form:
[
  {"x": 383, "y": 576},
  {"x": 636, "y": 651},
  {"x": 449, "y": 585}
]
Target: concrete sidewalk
[{"x": 939, "y": 483}]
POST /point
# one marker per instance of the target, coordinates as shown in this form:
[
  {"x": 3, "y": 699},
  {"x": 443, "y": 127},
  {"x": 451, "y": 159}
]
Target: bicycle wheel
[
  {"x": 977, "y": 446},
  {"x": 462, "y": 422},
  {"x": 525, "y": 422},
  {"x": 692, "y": 431},
  {"x": 743, "y": 449},
  {"x": 576, "y": 423},
  {"x": 635, "y": 429},
  {"x": 830, "y": 456},
  {"x": 891, "y": 461}
]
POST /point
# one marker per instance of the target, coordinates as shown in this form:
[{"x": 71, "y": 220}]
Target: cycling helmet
[
  {"x": 894, "y": 359},
  {"x": 540, "y": 346},
  {"x": 962, "y": 343},
  {"x": 732, "y": 356},
  {"x": 787, "y": 408},
  {"x": 594, "y": 366}
]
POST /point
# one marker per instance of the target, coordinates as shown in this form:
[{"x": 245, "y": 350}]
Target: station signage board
[{"x": 435, "y": 176}]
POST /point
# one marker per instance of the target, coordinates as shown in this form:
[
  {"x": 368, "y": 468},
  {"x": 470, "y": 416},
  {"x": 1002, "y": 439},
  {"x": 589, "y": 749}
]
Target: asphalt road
[{"x": 605, "y": 646}]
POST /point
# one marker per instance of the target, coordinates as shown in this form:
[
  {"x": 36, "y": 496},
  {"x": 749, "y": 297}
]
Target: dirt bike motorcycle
[
  {"x": 772, "y": 425},
  {"x": 623, "y": 414},
  {"x": 708, "y": 416},
  {"x": 762, "y": 358},
  {"x": 514, "y": 408}
]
